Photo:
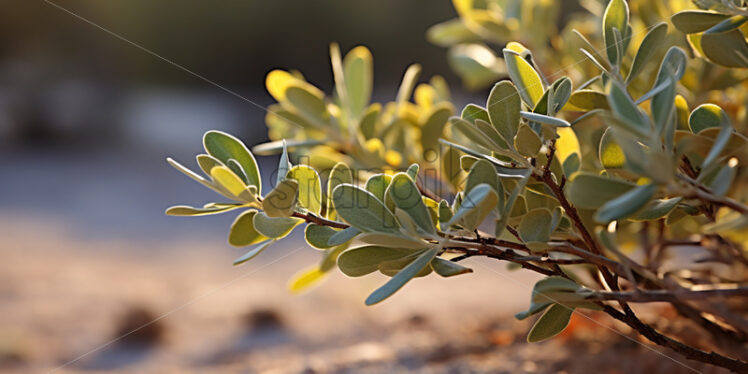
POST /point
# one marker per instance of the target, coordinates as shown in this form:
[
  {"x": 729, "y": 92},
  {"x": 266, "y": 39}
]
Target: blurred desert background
[{"x": 95, "y": 278}]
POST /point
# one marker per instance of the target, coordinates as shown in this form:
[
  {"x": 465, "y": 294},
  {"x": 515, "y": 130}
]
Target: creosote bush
[{"x": 598, "y": 176}]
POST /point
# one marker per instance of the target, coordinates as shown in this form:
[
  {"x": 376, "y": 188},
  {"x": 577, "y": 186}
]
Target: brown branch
[
  {"x": 720, "y": 201},
  {"x": 689, "y": 352},
  {"x": 311, "y": 218},
  {"x": 650, "y": 296}
]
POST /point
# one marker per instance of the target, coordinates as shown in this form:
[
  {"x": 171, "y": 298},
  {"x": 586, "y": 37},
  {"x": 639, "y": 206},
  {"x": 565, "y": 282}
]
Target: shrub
[{"x": 597, "y": 187}]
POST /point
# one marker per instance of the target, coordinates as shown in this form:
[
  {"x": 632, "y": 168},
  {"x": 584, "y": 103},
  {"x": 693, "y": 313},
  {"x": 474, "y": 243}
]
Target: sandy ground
[{"x": 74, "y": 304}]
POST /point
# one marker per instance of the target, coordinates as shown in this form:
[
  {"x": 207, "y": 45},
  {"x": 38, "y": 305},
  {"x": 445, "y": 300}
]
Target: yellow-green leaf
[
  {"x": 243, "y": 231},
  {"x": 281, "y": 201},
  {"x": 310, "y": 187},
  {"x": 407, "y": 197},
  {"x": 626, "y": 204},
  {"x": 223, "y": 147},
  {"x": 306, "y": 279},
  {"x": 591, "y": 191},
  {"x": 727, "y": 49},
  {"x": 527, "y": 142},
  {"x": 360, "y": 261},
  {"x": 358, "y": 71},
  {"x": 274, "y": 227},
  {"x": 363, "y": 210},
  {"x": 696, "y": 21},
  {"x": 525, "y": 77},
  {"x": 503, "y": 108},
  {"x": 647, "y": 50},
  {"x": 616, "y": 16}
]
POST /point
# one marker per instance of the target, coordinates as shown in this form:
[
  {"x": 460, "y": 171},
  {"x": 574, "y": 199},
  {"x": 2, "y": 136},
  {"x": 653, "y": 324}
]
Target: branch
[
  {"x": 720, "y": 201},
  {"x": 689, "y": 352},
  {"x": 647, "y": 296}
]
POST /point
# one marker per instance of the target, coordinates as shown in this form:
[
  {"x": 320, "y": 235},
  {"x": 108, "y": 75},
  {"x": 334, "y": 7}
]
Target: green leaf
[
  {"x": 254, "y": 251},
  {"x": 489, "y": 131},
  {"x": 720, "y": 142},
  {"x": 306, "y": 279},
  {"x": 729, "y": 24},
  {"x": 543, "y": 293},
  {"x": 535, "y": 308},
  {"x": 274, "y": 227},
  {"x": 673, "y": 64},
  {"x": 481, "y": 198},
  {"x": 525, "y": 77},
  {"x": 616, "y": 16},
  {"x": 407, "y": 197},
  {"x": 184, "y": 210},
  {"x": 625, "y": 108},
  {"x": 727, "y": 49},
  {"x": 358, "y": 72},
  {"x": 558, "y": 94},
  {"x": 412, "y": 171},
  {"x": 243, "y": 231},
  {"x": 377, "y": 184},
  {"x": 482, "y": 172},
  {"x": 723, "y": 180},
  {"x": 445, "y": 213},
  {"x": 207, "y": 162},
  {"x": 226, "y": 178},
  {"x": 471, "y": 132},
  {"x": 553, "y": 321},
  {"x": 506, "y": 210},
  {"x": 611, "y": 155},
  {"x": 237, "y": 169},
  {"x": 360, "y": 261},
  {"x": 471, "y": 112},
  {"x": 696, "y": 21},
  {"x": 408, "y": 83},
  {"x": 194, "y": 176},
  {"x": 598, "y": 64},
  {"x": 391, "y": 268},
  {"x": 283, "y": 165},
  {"x": 527, "y": 142},
  {"x": 587, "y": 100},
  {"x": 310, "y": 187},
  {"x": 626, "y": 204},
  {"x": 656, "y": 209},
  {"x": 591, "y": 191},
  {"x": 223, "y": 147},
  {"x": 450, "y": 32},
  {"x": 535, "y": 228},
  {"x": 318, "y": 236},
  {"x": 548, "y": 120},
  {"x": 281, "y": 201},
  {"x": 706, "y": 116},
  {"x": 476, "y": 64},
  {"x": 433, "y": 128},
  {"x": 392, "y": 240},
  {"x": 401, "y": 278},
  {"x": 308, "y": 104},
  {"x": 343, "y": 236},
  {"x": 339, "y": 174},
  {"x": 361, "y": 209},
  {"x": 447, "y": 268},
  {"x": 647, "y": 50},
  {"x": 503, "y": 108},
  {"x": 663, "y": 108}
]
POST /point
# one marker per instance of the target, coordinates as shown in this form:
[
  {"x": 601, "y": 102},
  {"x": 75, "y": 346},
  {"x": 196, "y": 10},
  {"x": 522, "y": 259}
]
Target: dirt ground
[{"x": 71, "y": 304}]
